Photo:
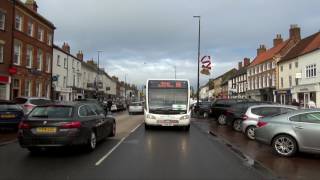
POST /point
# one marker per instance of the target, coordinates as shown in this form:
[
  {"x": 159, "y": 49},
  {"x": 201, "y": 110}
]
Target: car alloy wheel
[
  {"x": 284, "y": 145},
  {"x": 222, "y": 119},
  {"x": 250, "y": 132},
  {"x": 237, "y": 125},
  {"x": 92, "y": 141}
]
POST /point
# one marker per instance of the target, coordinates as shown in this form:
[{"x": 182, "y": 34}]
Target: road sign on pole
[{"x": 206, "y": 65}]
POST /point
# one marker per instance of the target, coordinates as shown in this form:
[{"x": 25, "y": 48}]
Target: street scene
[{"x": 122, "y": 89}]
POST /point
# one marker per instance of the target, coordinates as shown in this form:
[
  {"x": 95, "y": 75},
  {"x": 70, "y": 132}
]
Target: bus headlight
[
  {"x": 185, "y": 117},
  {"x": 149, "y": 116}
]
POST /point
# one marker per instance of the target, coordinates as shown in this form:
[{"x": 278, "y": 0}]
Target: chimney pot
[
  {"x": 246, "y": 62},
  {"x": 32, "y": 4},
  {"x": 295, "y": 32},
  {"x": 261, "y": 49}
]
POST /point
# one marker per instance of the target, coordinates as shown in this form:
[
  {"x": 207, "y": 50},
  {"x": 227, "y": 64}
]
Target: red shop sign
[
  {"x": 4, "y": 79},
  {"x": 13, "y": 70}
]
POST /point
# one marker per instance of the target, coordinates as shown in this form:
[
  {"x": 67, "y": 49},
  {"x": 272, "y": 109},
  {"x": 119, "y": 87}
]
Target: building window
[
  {"x": 273, "y": 79},
  {"x": 30, "y": 28},
  {"x": 48, "y": 64},
  {"x": 254, "y": 70},
  {"x": 29, "y": 57},
  {"x": 39, "y": 60},
  {"x": 290, "y": 81},
  {"x": 281, "y": 82},
  {"x": 1, "y": 53},
  {"x": 273, "y": 64},
  {"x": 38, "y": 89},
  {"x": 257, "y": 69},
  {"x": 311, "y": 71},
  {"x": 40, "y": 34},
  {"x": 72, "y": 63},
  {"x": 58, "y": 60},
  {"x": 290, "y": 66},
  {"x": 281, "y": 68},
  {"x": 266, "y": 81},
  {"x": 49, "y": 39},
  {"x": 64, "y": 81},
  {"x": 296, "y": 64},
  {"x": 2, "y": 20},
  {"x": 65, "y": 63},
  {"x": 261, "y": 68},
  {"x": 268, "y": 66},
  {"x": 18, "y": 23},
  {"x": 264, "y": 67},
  {"x": 27, "y": 88},
  {"x": 17, "y": 53},
  {"x": 297, "y": 81},
  {"x": 78, "y": 66}
]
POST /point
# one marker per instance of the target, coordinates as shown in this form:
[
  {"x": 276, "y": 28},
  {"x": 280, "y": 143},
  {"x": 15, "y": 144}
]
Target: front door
[{"x": 306, "y": 100}]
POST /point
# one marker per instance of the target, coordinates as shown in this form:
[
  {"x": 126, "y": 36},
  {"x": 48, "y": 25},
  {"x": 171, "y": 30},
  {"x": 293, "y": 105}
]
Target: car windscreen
[
  {"x": 52, "y": 112},
  {"x": 40, "y": 102},
  {"x": 20, "y": 100},
  {"x": 9, "y": 107}
]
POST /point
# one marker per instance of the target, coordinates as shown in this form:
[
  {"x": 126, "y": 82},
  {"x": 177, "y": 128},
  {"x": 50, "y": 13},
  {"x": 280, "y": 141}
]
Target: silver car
[
  {"x": 136, "y": 107},
  {"x": 251, "y": 117},
  {"x": 291, "y": 132},
  {"x": 28, "y": 103}
]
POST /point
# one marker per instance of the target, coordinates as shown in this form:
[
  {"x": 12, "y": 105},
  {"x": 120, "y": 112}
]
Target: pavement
[
  {"x": 301, "y": 166},
  {"x": 134, "y": 153}
]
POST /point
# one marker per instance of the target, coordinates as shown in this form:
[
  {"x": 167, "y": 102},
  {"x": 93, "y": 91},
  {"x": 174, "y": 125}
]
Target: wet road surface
[{"x": 161, "y": 153}]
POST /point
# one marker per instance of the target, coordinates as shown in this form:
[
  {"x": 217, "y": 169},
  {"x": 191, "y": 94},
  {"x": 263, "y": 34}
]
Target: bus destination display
[{"x": 168, "y": 84}]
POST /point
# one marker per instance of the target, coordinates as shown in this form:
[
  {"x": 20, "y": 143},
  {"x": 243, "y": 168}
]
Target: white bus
[{"x": 167, "y": 103}]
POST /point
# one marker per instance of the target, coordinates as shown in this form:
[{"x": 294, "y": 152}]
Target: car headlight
[
  {"x": 185, "y": 117},
  {"x": 149, "y": 116}
]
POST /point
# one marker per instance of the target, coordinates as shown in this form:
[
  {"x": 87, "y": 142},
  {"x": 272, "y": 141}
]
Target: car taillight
[
  {"x": 261, "y": 124},
  {"x": 24, "y": 125},
  {"x": 28, "y": 106},
  {"x": 71, "y": 125},
  {"x": 244, "y": 117}
]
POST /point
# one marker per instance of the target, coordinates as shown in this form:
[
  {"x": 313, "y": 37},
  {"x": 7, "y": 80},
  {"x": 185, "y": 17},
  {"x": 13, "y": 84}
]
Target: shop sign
[
  {"x": 4, "y": 79},
  {"x": 13, "y": 70}
]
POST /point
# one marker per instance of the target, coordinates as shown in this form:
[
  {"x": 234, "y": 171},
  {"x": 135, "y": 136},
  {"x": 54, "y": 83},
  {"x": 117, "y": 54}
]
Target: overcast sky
[{"x": 147, "y": 38}]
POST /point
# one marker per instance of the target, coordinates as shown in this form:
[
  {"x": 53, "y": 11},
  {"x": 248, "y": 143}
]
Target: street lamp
[
  {"x": 98, "y": 74},
  {"x": 198, "y": 17}
]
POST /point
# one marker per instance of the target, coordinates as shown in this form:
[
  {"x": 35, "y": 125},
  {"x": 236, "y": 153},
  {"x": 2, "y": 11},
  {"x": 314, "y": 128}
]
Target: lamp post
[
  {"x": 198, "y": 17},
  {"x": 98, "y": 73}
]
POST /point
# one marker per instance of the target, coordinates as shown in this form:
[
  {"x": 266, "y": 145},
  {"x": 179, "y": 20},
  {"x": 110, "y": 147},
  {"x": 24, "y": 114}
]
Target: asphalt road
[{"x": 161, "y": 153}]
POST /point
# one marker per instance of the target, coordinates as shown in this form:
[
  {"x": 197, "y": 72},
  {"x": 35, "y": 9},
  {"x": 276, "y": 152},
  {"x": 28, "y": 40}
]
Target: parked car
[
  {"x": 291, "y": 132},
  {"x": 254, "y": 113},
  {"x": 121, "y": 105},
  {"x": 236, "y": 113},
  {"x": 220, "y": 106},
  {"x": 114, "y": 108},
  {"x": 10, "y": 114},
  {"x": 203, "y": 110},
  {"x": 65, "y": 124},
  {"x": 28, "y": 103},
  {"x": 136, "y": 107}
]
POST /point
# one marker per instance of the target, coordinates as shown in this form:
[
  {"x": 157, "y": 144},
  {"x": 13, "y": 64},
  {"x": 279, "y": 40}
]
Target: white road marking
[{"x": 115, "y": 147}]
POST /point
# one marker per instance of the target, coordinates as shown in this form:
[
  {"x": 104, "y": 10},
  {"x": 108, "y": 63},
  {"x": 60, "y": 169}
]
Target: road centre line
[{"x": 115, "y": 147}]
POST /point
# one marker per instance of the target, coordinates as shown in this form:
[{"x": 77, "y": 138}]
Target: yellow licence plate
[
  {"x": 46, "y": 130},
  {"x": 7, "y": 116}
]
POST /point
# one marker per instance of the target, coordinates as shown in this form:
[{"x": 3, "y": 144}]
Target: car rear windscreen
[
  {"x": 40, "y": 102},
  {"x": 52, "y": 112},
  {"x": 20, "y": 100}
]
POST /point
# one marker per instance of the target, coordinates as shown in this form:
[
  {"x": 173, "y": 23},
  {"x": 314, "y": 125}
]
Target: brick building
[
  {"x": 31, "y": 51},
  {"x": 262, "y": 72},
  {"x": 238, "y": 83},
  {"x": 6, "y": 17}
]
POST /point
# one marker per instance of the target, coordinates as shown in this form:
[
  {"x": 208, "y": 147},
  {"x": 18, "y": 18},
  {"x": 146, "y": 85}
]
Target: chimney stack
[
  {"x": 261, "y": 49},
  {"x": 66, "y": 47},
  {"x": 80, "y": 55},
  {"x": 246, "y": 62},
  {"x": 31, "y": 4},
  {"x": 294, "y": 32},
  {"x": 239, "y": 65},
  {"x": 278, "y": 40}
]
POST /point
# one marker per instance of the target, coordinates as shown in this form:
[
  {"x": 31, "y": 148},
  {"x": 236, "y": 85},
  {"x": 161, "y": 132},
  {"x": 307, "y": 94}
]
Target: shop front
[
  {"x": 5, "y": 87},
  {"x": 62, "y": 94},
  {"x": 306, "y": 93},
  {"x": 283, "y": 96}
]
